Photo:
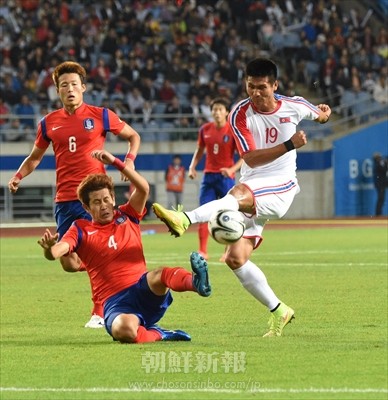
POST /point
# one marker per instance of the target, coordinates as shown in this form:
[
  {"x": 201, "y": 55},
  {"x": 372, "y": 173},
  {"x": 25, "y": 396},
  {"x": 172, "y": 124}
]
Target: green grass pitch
[{"x": 336, "y": 348}]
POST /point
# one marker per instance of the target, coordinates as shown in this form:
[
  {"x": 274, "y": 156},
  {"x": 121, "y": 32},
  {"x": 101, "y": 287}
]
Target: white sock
[
  {"x": 204, "y": 212},
  {"x": 255, "y": 282}
]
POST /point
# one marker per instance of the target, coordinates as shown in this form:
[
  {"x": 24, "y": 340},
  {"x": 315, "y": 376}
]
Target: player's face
[
  {"x": 219, "y": 113},
  {"x": 261, "y": 90},
  {"x": 70, "y": 91},
  {"x": 101, "y": 206}
]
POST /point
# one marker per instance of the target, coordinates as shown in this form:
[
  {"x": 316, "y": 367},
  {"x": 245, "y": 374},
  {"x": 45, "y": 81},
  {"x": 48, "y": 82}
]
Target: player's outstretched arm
[
  {"x": 324, "y": 113},
  {"x": 139, "y": 196},
  {"x": 229, "y": 172},
  {"x": 51, "y": 248},
  {"x": 27, "y": 166},
  {"x": 133, "y": 138},
  {"x": 197, "y": 156}
]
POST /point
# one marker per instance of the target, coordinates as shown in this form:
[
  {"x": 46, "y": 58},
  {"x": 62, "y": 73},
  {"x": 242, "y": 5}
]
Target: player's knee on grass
[{"x": 124, "y": 328}]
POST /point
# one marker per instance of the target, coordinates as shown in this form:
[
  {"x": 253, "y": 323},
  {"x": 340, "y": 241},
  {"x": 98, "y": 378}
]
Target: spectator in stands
[
  {"x": 26, "y": 112},
  {"x": 10, "y": 90},
  {"x": 167, "y": 92},
  {"x": 100, "y": 75},
  {"x": 196, "y": 89},
  {"x": 382, "y": 42},
  {"x": 206, "y": 109},
  {"x": 124, "y": 46},
  {"x": 203, "y": 75},
  {"x": 380, "y": 92},
  {"x": 83, "y": 51},
  {"x": 42, "y": 112},
  {"x": 149, "y": 70},
  {"x": 179, "y": 121},
  {"x": 4, "y": 110},
  {"x": 14, "y": 131},
  {"x": 236, "y": 71},
  {"x": 135, "y": 101},
  {"x": 130, "y": 73},
  {"x": 175, "y": 72},
  {"x": 120, "y": 108},
  {"x": 369, "y": 83},
  {"x": 326, "y": 75},
  {"x": 148, "y": 89},
  {"x": 36, "y": 58},
  {"x": 7, "y": 68},
  {"x": 360, "y": 100},
  {"x": 109, "y": 44},
  {"x": 117, "y": 62},
  {"x": 233, "y": 28},
  {"x": 361, "y": 61},
  {"x": 377, "y": 62},
  {"x": 195, "y": 105}
]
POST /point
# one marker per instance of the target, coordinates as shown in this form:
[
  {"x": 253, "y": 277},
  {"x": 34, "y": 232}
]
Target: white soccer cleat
[{"x": 95, "y": 322}]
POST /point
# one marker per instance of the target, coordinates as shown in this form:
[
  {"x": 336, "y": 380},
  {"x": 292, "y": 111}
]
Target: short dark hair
[
  {"x": 92, "y": 183},
  {"x": 220, "y": 100},
  {"x": 68, "y": 67},
  {"x": 261, "y": 67}
]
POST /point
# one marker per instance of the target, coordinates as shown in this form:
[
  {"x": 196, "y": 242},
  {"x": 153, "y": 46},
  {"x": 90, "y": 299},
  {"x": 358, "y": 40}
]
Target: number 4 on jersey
[{"x": 112, "y": 243}]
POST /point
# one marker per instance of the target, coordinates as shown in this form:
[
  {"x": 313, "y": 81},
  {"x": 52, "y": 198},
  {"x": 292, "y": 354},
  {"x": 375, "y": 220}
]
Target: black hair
[
  {"x": 220, "y": 100},
  {"x": 262, "y": 67}
]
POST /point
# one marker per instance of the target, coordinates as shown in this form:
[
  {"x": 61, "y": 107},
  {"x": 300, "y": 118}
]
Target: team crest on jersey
[
  {"x": 120, "y": 220},
  {"x": 226, "y": 139},
  {"x": 283, "y": 120},
  {"x": 89, "y": 124}
]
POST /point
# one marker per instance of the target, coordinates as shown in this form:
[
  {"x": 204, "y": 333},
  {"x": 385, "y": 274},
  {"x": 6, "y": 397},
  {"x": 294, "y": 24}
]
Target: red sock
[
  {"x": 203, "y": 235},
  {"x": 177, "y": 279},
  {"x": 98, "y": 309},
  {"x": 144, "y": 336}
]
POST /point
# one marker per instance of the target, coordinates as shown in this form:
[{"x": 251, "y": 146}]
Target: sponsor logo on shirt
[
  {"x": 89, "y": 124},
  {"x": 283, "y": 120}
]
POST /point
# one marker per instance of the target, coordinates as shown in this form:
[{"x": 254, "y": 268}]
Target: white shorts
[{"x": 273, "y": 197}]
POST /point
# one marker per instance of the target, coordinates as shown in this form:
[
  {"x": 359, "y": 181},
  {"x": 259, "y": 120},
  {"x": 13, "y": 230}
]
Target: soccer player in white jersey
[{"x": 264, "y": 128}]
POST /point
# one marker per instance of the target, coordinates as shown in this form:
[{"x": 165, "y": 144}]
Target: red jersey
[
  {"x": 219, "y": 144},
  {"x": 175, "y": 178},
  {"x": 112, "y": 253},
  {"x": 73, "y": 137}
]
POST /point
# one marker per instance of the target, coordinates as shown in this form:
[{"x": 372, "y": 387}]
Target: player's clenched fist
[
  {"x": 13, "y": 184},
  {"x": 299, "y": 139}
]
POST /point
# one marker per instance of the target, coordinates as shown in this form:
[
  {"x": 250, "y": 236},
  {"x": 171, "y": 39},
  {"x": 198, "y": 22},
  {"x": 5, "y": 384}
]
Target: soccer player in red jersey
[
  {"x": 216, "y": 139},
  {"x": 111, "y": 248},
  {"x": 74, "y": 131}
]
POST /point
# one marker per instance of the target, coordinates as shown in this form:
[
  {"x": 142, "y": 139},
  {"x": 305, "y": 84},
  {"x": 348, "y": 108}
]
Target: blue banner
[{"x": 354, "y": 191}]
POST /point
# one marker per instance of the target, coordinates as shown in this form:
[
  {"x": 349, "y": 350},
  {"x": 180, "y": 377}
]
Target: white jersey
[{"x": 262, "y": 130}]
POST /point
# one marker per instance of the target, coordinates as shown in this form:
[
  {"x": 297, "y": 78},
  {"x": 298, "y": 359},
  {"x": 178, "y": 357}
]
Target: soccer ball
[{"x": 226, "y": 226}]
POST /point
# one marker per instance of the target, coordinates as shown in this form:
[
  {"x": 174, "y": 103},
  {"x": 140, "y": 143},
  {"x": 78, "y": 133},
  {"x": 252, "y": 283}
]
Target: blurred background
[{"x": 159, "y": 63}]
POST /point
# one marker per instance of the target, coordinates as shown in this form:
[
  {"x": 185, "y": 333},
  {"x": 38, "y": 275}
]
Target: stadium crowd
[{"x": 145, "y": 58}]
